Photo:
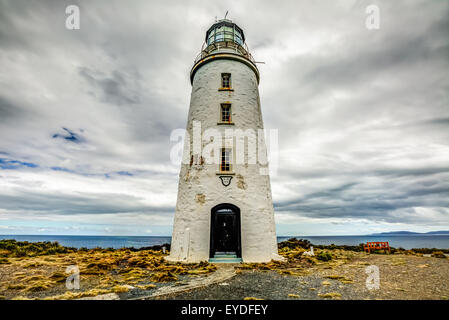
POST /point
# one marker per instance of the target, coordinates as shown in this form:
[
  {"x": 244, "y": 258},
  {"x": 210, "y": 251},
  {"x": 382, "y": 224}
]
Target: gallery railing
[{"x": 217, "y": 46}]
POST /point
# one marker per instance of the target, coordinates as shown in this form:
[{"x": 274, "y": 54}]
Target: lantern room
[{"x": 225, "y": 30}]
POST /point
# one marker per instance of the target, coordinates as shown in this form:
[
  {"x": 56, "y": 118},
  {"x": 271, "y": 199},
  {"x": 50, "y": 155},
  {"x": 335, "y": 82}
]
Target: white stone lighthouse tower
[{"x": 224, "y": 210}]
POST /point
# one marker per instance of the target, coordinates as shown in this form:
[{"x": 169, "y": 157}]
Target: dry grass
[
  {"x": 102, "y": 271},
  {"x": 342, "y": 279},
  {"x": 69, "y": 295},
  {"x": 163, "y": 277},
  {"x": 438, "y": 254},
  {"x": 16, "y": 286},
  {"x": 298, "y": 265},
  {"x": 331, "y": 295},
  {"x": 146, "y": 286}
]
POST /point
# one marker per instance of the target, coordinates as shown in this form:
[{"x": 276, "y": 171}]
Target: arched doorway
[{"x": 225, "y": 231}]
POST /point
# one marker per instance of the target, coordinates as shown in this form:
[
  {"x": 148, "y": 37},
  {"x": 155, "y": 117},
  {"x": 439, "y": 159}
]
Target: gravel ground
[
  {"x": 401, "y": 277},
  {"x": 266, "y": 285}
]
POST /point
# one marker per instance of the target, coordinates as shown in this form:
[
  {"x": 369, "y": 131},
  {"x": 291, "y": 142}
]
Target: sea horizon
[{"x": 406, "y": 241}]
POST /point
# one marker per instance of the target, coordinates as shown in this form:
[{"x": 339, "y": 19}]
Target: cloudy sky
[{"x": 86, "y": 115}]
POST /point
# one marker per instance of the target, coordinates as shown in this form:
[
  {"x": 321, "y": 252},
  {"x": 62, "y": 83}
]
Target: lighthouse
[{"x": 224, "y": 210}]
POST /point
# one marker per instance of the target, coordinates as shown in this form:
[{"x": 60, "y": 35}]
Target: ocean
[{"x": 404, "y": 241}]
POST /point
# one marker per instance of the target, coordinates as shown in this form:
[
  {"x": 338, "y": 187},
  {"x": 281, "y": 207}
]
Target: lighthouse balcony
[
  {"x": 224, "y": 47},
  {"x": 224, "y": 50}
]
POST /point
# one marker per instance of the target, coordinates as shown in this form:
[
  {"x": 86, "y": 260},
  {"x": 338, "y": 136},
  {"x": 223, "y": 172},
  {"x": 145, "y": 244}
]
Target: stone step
[
  {"x": 225, "y": 260},
  {"x": 219, "y": 256}
]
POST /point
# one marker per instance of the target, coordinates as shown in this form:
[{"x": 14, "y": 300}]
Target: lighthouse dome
[
  {"x": 224, "y": 40},
  {"x": 225, "y": 30}
]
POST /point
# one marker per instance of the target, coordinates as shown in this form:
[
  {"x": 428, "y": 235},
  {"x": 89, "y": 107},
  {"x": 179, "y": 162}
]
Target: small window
[
  {"x": 225, "y": 161},
  {"x": 226, "y": 113},
  {"x": 226, "y": 80}
]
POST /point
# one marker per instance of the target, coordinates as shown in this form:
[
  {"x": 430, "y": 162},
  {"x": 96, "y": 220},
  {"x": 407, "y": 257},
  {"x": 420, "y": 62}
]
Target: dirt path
[{"x": 224, "y": 272}]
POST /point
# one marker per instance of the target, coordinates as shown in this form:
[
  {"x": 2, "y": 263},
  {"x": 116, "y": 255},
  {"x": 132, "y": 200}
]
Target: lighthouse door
[{"x": 225, "y": 231}]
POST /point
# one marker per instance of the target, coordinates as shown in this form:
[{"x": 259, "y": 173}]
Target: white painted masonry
[{"x": 200, "y": 188}]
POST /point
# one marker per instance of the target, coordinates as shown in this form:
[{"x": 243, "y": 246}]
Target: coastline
[{"x": 117, "y": 242}]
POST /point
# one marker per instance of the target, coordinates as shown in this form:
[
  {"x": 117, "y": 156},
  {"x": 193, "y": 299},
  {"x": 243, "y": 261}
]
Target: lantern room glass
[{"x": 224, "y": 33}]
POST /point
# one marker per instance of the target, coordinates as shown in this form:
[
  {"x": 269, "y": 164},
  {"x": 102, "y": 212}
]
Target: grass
[
  {"x": 130, "y": 274},
  {"x": 398, "y": 262},
  {"x": 120, "y": 289},
  {"x": 438, "y": 254},
  {"x": 4, "y": 261},
  {"x": 13, "y": 248},
  {"x": 16, "y": 286},
  {"x": 334, "y": 277},
  {"x": 146, "y": 286},
  {"x": 33, "y": 264},
  {"x": 39, "y": 286},
  {"x": 331, "y": 295},
  {"x": 70, "y": 295},
  {"x": 59, "y": 277},
  {"x": 342, "y": 279},
  {"x": 163, "y": 277},
  {"x": 40, "y": 267},
  {"x": 324, "y": 256}
]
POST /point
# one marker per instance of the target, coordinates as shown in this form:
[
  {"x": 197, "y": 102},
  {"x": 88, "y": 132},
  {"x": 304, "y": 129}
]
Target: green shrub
[
  {"x": 294, "y": 243},
  {"x": 438, "y": 254},
  {"x": 324, "y": 256},
  {"x": 30, "y": 249}
]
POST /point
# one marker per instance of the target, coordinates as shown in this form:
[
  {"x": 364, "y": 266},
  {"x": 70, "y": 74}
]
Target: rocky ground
[
  {"x": 401, "y": 277},
  {"x": 333, "y": 273}
]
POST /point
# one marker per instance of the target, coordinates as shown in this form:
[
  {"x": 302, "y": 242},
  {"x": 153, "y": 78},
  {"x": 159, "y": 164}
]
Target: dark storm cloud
[
  {"x": 9, "y": 110},
  {"x": 435, "y": 122},
  {"x": 396, "y": 51},
  {"x": 373, "y": 172},
  {"x": 77, "y": 204},
  {"x": 348, "y": 202},
  {"x": 113, "y": 89}
]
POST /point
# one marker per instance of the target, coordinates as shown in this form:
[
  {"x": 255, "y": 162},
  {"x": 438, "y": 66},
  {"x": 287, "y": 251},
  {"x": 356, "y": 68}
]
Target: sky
[{"x": 86, "y": 115}]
